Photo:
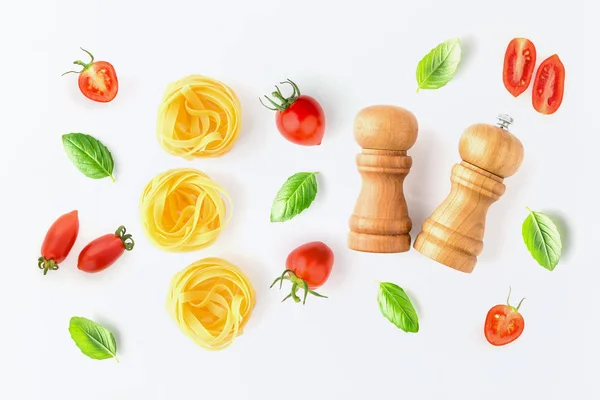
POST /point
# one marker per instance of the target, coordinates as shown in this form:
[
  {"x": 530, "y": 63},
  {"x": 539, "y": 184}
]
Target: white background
[{"x": 348, "y": 55}]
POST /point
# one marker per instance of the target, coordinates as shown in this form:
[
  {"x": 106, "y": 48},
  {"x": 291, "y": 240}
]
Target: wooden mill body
[
  {"x": 453, "y": 235},
  {"x": 380, "y": 222}
]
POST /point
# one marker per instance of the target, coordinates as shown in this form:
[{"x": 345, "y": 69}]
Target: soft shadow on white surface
[
  {"x": 416, "y": 303},
  {"x": 257, "y": 274},
  {"x": 419, "y": 184},
  {"x": 564, "y": 229},
  {"x": 468, "y": 45}
]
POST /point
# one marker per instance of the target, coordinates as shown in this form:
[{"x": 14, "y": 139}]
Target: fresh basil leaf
[
  {"x": 94, "y": 340},
  {"x": 296, "y": 195},
  {"x": 395, "y": 305},
  {"x": 89, "y": 155},
  {"x": 542, "y": 239},
  {"x": 437, "y": 68}
]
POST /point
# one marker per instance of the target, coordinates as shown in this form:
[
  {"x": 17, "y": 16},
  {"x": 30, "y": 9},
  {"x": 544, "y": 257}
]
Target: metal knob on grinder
[{"x": 453, "y": 235}]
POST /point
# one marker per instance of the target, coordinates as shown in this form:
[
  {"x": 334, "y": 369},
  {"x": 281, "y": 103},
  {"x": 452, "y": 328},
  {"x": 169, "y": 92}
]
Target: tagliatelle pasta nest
[
  {"x": 198, "y": 117},
  {"x": 183, "y": 210},
  {"x": 211, "y": 301}
]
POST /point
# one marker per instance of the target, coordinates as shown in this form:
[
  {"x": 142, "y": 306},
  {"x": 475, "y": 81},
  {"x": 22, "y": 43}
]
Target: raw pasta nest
[
  {"x": 198, "y": 117},
  {"x": 183, "y": 210},
  {"x": 211, "y": 301}
]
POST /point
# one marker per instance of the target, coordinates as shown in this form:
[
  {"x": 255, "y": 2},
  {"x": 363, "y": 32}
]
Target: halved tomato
[
  {"x": 504, "y": 323},
  {"x": 549, "y": 84},
  {"x": 519, "y": 62},
  {"x": 97, "y": 80}
]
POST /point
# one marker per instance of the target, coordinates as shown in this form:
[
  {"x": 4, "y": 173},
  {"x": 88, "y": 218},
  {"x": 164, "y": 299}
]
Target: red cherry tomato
[
  {"x": 97, "y": 80},
  {"x": 59, "y": 241},
  {"x": 503, "y": 323},
  {"x": 549, "y": 85},
  {"x": 102, "y": 252},
  {"x": 300, "y": 118},
  {"x": 307, "y": 267},
  {"x": 519, "y": 62}
]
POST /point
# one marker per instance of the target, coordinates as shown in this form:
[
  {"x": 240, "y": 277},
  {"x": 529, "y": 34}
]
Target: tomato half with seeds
[
  {"x": 549, "y": 85},
  {"x": 504, "y": 323},
  {"x": 519, "y": 63},
  {"x": 97, "y": 80}
]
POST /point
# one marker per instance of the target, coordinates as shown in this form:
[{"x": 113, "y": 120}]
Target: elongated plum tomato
[
  {"x": 59, "y": 241},
  {"x": 299, "y": 118},
  {"x": 102, "y": 252},
  {"x": 307, "y": 267},
  {"x": 519, "y": 62},
  {"x": 549, "y": 85},
  {"x": 503, "y": 323},
  {"x": 97, "y": 80}
]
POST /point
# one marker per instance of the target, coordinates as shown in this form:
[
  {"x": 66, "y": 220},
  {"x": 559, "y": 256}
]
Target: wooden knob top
[
  {"x": 491, "y": 148},
  {"x": 385, "y": 128}
]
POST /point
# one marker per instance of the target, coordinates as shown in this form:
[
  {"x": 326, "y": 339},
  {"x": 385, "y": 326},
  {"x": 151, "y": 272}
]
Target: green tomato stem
[
  {"x": 47, "y": 265},
  {"x": 519, "y": 305},
  {"x": 82, "y": 64},
  {"x": 508, "y": 301},
  {"x": 127, "y": 239},
  {"x": 285, "y": 101},
  {"x": 297, "y": 283}
]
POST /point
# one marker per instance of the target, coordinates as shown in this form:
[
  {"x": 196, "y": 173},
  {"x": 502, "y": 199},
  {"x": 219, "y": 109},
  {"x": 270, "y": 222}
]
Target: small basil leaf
[
  {"x": 437, "y": 68},
  {"x": 89, "y": 155},
  {"x": 94, "y": 340},
  {"x": 395, "y": 305},
  {"x": 542, "y": 239},
  {"x": 296, "y": 195}
]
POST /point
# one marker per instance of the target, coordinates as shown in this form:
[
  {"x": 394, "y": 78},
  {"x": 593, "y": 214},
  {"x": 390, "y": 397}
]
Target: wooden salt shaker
[
  {"x": 380, "y": 223},
  {"x": 453, "y": 234}
]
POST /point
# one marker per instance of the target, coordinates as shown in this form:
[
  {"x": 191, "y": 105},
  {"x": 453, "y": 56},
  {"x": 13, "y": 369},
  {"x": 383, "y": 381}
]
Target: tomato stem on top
[
  {"x": 127, "y": 239},
  {"x": 297, "y": 283},
  {"x": 285, "y": 101},
  {"x": 79, "y": 62},
  {"x": 508, "y": 300}
]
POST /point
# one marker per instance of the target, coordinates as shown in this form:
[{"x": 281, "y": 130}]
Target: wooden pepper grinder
[
  {"x": 454, "y": 232},
  {"x": 380, "y": 223}
]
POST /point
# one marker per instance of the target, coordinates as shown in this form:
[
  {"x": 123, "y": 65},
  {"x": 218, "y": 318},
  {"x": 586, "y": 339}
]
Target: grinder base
[
  {"x": 378, "y": 243},
  {"x": 445, "y": 255}
]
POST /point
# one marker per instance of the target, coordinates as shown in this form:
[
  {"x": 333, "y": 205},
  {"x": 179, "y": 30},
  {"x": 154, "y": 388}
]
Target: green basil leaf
[
  {"x": 94, "y": 340},
  {"x": 542, "y": 239},
  {"x": 89, "y": 155},
  {"x": 296, "y": 195},
  {"x": 395, "y": 305},
  {"x": 437, "y": 68}
]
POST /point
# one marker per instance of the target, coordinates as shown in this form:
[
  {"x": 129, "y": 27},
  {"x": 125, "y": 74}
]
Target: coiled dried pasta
[
  {"x": 183, "y": 210},
  {"x": 198, "y": 117},
  {"x": 211, "y": 301}
]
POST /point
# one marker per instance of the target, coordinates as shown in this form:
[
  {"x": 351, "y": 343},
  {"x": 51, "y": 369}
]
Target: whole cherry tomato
[
  {"x": 307, "y": 267},
  {"x": 503, "y": 323},
  {"x": 300, "y": 118},
  {"x": 519, "y": 63},
  {"x": 59, "y": 241},
  {"x": 549, "y": 85},
  {"x": 102, "y": 252},
  {"x": 97, "y": 80}
]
